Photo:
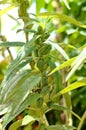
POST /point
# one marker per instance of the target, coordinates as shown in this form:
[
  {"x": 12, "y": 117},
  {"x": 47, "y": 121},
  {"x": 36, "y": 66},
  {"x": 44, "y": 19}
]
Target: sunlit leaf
[
  {"x": 79, "y": 60},
  {"x": 62, "y": 17},
  {"x": 27, "y": 119},
  {"x": 66, "y": 3},
  {"x": 65, "y": 64},
  {"x": 6, "y": 10},
  {"x": 72, "y": 86},
  {"x": 57, "y": 47}
]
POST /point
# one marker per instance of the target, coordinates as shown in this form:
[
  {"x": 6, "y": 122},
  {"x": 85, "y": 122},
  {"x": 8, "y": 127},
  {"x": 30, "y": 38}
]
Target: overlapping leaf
[
  {"x": 15, "y": 94},
  {"x": 65, "y": 64},
  {"x": 72, "y": 86},
  {"x": 62, "y": 17}
]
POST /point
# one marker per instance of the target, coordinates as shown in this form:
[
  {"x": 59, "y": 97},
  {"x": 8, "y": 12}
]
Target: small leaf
[
  {"x": 27, "y": 119},
  {"x": 57, "y": 47},
  {"x": 79, "y": 60},
  {"x": 65, "y": 64},
  {"x": 66, "y": 3}
]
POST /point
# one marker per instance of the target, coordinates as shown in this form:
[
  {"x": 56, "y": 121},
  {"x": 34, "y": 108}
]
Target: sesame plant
[{"x": 36, "y": 88}]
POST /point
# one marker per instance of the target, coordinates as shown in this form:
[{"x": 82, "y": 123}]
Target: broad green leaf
[
  {"x": 79, "y": 60},
  {"x": 23, "y": 53},
  {"x": 11, "y": 44},
  {"x": 62, "y": 17},
  {"x": 27, "y": 119},
  {"x": 65, "y": 64},
  {"x": 32, "y": 98},
  {"x": 19, "y": 87},
  {"x": 57, "y": 47},
  {"x": 72, "y": 86},
  {"x": 6, "y": 10},
  {"x": 15, "y": 125},
  {"x": 66, "y": 3}
]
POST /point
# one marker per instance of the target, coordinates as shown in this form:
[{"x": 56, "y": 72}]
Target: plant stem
[{"x": 82, "y": 121}]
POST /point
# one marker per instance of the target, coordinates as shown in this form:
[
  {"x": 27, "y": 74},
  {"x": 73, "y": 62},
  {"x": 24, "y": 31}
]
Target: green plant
[{"x": 35, "y": 91}]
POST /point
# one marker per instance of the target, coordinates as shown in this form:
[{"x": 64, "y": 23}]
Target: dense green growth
[{"x": 44, "y": 87}]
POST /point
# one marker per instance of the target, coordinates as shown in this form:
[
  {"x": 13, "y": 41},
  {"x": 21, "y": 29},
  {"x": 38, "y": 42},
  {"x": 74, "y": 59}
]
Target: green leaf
[
  {"x": 79, "y": 60},
  {"x": 27, "y": 119},
  {"x": 25, "y": 51},
  {"x": 72, "y": 86},
  {"x": 62, "y": 17},
  {"x": 32, "y": 98},
  {"x": 60, "y": 127},
  {"x": 6, "y": 10},
  {"x": 17, "y": 89},
  {"x": 39, "y": 5},
  {"x": 15, "y": 125},
  {"x": 66, "y": 3},
  {"x": 57, "y": 47},
  {"x": 65, "y": 64},
  {"x": 11, "y": 44}
]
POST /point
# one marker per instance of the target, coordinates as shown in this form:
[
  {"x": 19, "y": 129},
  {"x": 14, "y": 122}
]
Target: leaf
[
  {"x": 23, "y": 53},
  {"x": 6, "y": 10},
  {"x": 60, "y": 127},
  {"x": 56, "y": 46},
  {"x": 27, "y": 119},
  {"x": 15, "y": 125},
  {"x": 72, "y": 86},
  {"x": 66, "y": 3},
  {"x": 39, "y": 5},
  {"x": 11, "y": 44},
  {"x": 62, "y": 17},
  {"x": 19, "y": 87},
  {"x": 65, "y": 64},
  {"x": 32, "y": 98},
  {"x": 79, "y": 60},
  {"x": 61, "y": 108}
]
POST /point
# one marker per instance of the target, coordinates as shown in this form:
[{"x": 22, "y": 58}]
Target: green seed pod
[
  {"x": 40, "y": 63},
  {"x": 40, "y": 102},
  {"x": 45, "y": 49},
  {"x": 40, "y": 30}
]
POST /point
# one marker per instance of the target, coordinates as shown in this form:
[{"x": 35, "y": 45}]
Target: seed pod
[
  {"x": 45, "y": 49},
  {"x": 40, "y": 30},
  {"x": 40, "y": 102},
  {"x": 40, "y": 64}
]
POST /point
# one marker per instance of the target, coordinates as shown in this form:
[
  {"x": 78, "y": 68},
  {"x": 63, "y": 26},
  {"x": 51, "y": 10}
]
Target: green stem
[{"x": 82, "y": 121}]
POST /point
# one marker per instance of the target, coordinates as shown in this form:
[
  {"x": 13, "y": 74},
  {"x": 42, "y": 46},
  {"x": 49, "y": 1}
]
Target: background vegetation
[{"x": 43, "y": 86}]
